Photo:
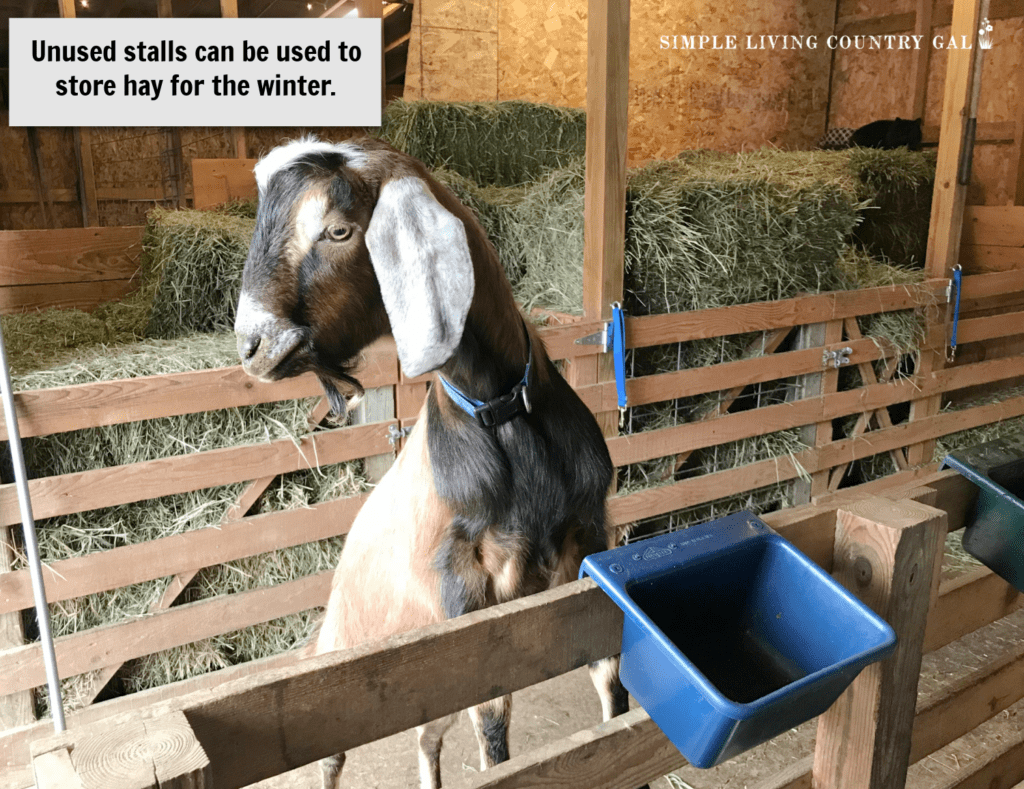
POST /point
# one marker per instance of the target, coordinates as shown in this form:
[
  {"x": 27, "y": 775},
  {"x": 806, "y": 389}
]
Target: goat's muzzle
[{"x": 264, "y": 340}]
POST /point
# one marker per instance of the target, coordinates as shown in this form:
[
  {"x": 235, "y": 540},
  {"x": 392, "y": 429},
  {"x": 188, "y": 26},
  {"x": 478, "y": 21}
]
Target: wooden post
[
  {"x": 83, "y": 152},
  {"x": 1018, "y": 151},
  {"x": 817, "y": 335},
  {"x": 140, "y": 752},
  {"x": 229, "y": 10},
  {"x": 885, "y": 553},
  {"x": 919, "y": 73},
  {"x": 604, "y": 234},
  {"x": 374, "y": 9},
  {"x": 949, "y": 196},
  {"x": 376, "y": 406}
]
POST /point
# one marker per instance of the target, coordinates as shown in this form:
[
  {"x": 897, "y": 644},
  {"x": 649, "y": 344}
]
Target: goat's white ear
[{"x": 421, "y": 257}]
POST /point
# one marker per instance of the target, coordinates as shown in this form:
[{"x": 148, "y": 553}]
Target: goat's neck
[{"x": 492, "y": 356}]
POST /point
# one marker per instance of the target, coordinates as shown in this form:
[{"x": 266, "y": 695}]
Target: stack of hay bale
[{"x": 704, "y": 230}]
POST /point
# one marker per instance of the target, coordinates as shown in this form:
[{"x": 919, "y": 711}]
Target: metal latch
[
  {"x": 597, "y": 338},
  {"x": 396, "y": 433},
  {"x": 836, "y": 358}
]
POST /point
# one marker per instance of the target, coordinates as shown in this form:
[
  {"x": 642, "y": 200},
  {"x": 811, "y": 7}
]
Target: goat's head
[{"x": 350, "y": 242}]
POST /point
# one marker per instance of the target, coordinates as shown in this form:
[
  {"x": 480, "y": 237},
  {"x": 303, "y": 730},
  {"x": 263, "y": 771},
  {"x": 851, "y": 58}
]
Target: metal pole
[{"x": 31, "y": 545}]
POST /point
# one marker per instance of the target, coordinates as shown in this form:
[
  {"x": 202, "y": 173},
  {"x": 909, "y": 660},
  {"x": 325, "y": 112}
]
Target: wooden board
[
  {"x": 217, "y": 181},
  {"x": 966, "y": 603},
  {"x": 33, "y": 257},
  {"x": 138, "y": 481},
  {"x": 993, "y": 225},
  {"x": 181, "y": 553},
  {"x": 622, "y": 753},
  {"x": 22, "y": 668},
  {"x": 48, "y": 411},
  {"x": 72, "y": 295}
]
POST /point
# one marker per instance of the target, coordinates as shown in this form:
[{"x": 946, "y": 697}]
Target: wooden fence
[{"x": 876, "y": 721}]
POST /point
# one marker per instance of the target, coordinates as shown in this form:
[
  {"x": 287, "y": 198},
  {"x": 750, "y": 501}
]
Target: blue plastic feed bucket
[
  {"x": 994, "y": 533},
  {"x": 732, "y": 636}
]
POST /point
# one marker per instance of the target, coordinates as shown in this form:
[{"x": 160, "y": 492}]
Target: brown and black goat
[{"x": 485, "y": 503}]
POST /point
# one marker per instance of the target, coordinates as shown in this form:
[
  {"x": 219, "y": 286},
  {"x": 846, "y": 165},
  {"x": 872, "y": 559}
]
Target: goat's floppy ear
[{"x": 422, "y": 261}]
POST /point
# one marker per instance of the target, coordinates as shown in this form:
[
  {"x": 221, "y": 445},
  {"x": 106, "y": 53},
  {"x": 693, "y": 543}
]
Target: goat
[{"x": 484, "y": 504}]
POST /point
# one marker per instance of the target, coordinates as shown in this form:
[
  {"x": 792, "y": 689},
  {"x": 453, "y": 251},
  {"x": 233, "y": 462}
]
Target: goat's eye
[{"x": 339, "y": 232}]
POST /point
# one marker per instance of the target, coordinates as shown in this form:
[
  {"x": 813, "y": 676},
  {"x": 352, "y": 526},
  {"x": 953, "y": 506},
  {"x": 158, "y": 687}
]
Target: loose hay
[{"x": 83, "y": 533}]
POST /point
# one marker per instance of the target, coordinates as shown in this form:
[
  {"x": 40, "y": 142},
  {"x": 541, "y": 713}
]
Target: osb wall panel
[
  {"x": 56, "y": 154},
  {"x": 453, "y": 51},
  {"x": 993, "y": 175},
  {"x": 865, "y": 9},
  {"x": 724, "y": 99},
  {"x": 870, "y": 85}
]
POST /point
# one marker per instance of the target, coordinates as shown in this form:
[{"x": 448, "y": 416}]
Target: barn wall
[
  {"x": 132, "y": 170},
  {"x": 725, "y": 99},
  {"x": 870, "y": 85}
]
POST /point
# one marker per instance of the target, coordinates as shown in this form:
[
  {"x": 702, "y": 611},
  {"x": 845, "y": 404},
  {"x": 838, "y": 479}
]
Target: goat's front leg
[
  {"x": 490, "y": 722},
  {"x": 330, "y": 770},
  {"x": 431, "y": 736},
  {"x": 614, "y": 697}
]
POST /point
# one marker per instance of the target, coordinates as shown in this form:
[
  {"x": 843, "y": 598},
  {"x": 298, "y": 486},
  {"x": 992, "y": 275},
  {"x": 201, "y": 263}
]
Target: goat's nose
[{"x": 249, "y": 346}]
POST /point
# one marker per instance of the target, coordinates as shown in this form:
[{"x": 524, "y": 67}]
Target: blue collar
[{"x": 502, "y": 408}]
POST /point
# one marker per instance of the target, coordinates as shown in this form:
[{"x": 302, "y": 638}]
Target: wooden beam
[
  {"x": 35, "y": 257},
  {"x": 142, "y": 752},
  {"x": 102, "y": 646},
  {"x": 886, "y": 554},
  {"x": 139, "y": 481},
  {"x": 622, "y": 753},
  {"x": 919, "y": 72},
  {"x": 968, "y": 602},
  {"x": 606, "y": 153},
  {"x": 949, "y": 196}
]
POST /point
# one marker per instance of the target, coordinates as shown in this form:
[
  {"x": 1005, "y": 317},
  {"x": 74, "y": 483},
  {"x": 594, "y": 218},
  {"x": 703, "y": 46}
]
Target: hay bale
[
  {"x": 195, "y": 260},
  {"x": 899, "y": 185},
  {"x": 501, "y": 143}
]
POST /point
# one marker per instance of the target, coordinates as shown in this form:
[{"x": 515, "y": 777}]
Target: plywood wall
[
  {"x": 728, "y": 99},
  {"x": 131, "y": 170},
  {"x": 870, "y": 85}
]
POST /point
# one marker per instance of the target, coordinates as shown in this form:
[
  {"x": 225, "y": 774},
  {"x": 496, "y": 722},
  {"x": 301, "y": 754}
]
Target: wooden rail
[
  {"x": 103, "y": 403},
  {"x": 537, "y": 642}
]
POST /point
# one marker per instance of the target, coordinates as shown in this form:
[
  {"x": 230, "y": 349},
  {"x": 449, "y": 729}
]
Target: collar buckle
[{"x": 503, "y": 408}]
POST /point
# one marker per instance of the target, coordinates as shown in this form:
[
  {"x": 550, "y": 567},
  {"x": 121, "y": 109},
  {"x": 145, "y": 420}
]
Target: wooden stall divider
[
  {"x": 949, "y": 196},
  {"x": 604, "y": 201}
]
